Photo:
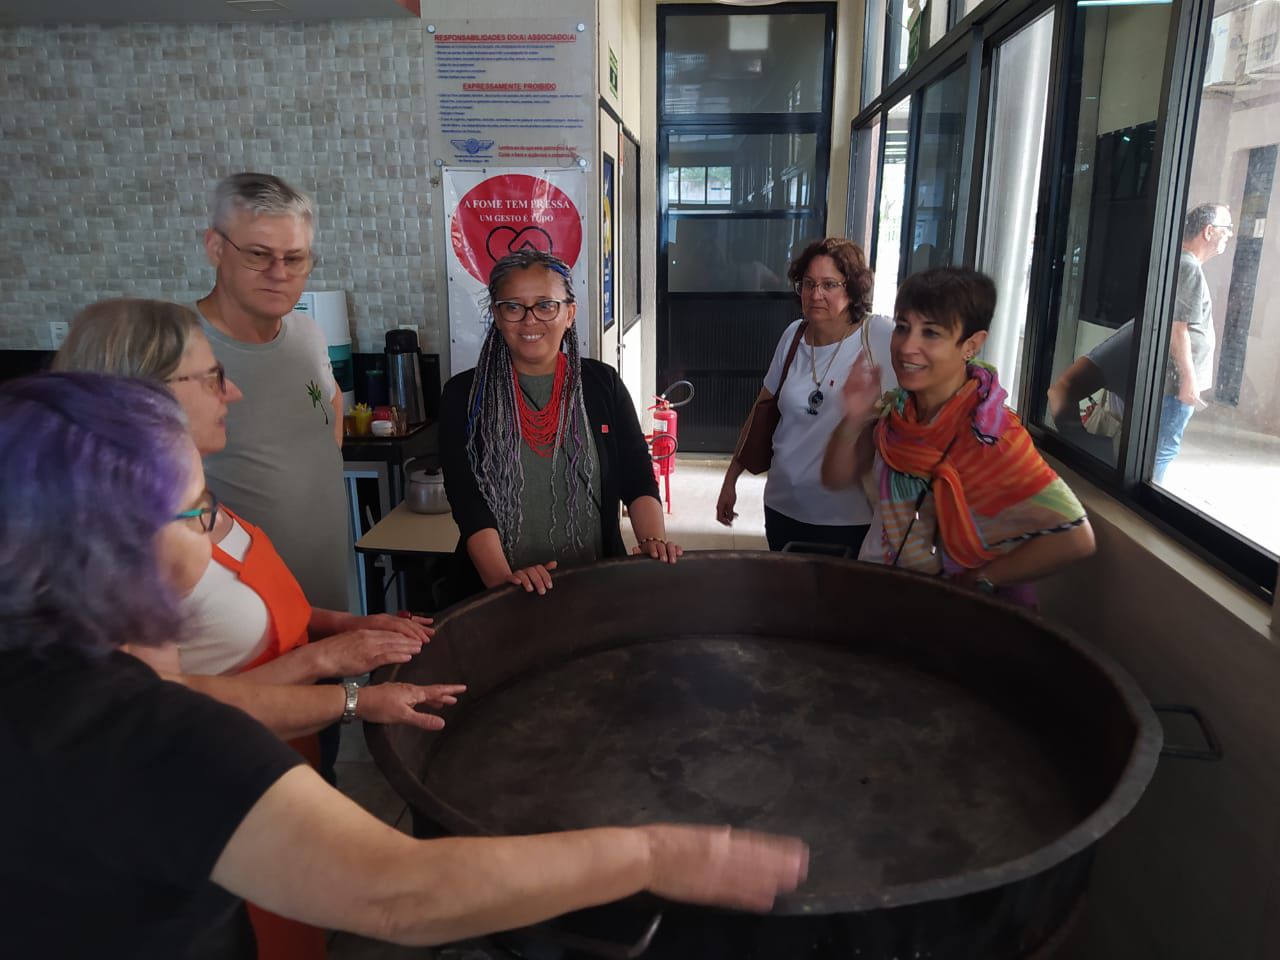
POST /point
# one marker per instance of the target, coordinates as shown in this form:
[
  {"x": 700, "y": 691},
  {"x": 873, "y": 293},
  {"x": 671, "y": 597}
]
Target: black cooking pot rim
[{"x": 1131, "y": 784}]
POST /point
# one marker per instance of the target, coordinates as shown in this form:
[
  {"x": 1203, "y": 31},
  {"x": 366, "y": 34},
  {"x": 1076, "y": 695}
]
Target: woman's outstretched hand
[
  {"x": 399, "y": 703},
  {"x": 359, "y": 651},
  {"x": 741, "y": 869},
  {"x": 536, "y": 577}
]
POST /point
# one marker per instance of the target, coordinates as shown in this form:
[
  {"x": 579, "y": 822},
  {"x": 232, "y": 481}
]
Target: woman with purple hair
[
  {"x": 540, "y": 446},
  {"x": 144, "y": 810}
]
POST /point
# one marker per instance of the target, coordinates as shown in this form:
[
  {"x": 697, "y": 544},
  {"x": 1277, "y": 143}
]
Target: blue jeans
[{"x": 1174, "y": 417}]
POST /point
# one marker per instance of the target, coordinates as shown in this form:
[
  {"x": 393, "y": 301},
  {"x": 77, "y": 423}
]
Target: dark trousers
[{"x": 780, "y": 530}]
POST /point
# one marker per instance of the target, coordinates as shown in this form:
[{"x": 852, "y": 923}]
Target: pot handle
[
  {"x": 605, "y": 949},
  {"x": 429, "y": 462},
  {"x": 1213, "y": 749}
]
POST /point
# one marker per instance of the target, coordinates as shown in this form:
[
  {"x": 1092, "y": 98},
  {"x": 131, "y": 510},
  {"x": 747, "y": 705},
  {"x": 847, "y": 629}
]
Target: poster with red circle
[{"x": 511, "y": 212}]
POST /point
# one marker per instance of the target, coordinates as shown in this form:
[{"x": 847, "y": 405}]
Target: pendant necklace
[{"x": 816, "y": 397}]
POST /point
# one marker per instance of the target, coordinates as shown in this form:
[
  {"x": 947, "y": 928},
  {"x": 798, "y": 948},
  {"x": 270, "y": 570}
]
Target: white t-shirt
[
  {"x": 793, "y": 487},
  {"x": 227, "y": 621}
]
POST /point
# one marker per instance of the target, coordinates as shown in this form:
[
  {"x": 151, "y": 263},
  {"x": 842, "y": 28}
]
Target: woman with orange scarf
[{"x": 959, "y": 488}]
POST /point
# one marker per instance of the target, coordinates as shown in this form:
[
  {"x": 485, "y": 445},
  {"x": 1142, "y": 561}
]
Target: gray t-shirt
[
  {"x": 545, "y": 532},
  {"x": 282, "y": 469},
  {"x": 1194, "y": 307}
]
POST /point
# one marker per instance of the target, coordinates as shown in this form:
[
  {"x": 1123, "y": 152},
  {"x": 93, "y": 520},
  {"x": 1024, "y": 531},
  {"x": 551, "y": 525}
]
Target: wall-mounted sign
[
  {"x": 515, "y": 95},
  {"x": 613, "y": 73},
  {"x": 490, "y": 215}
]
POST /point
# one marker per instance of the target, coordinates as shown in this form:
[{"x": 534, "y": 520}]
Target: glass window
[
  {"x": 965, "y": 7},
  {"x": 1218, "y": 437},
  {"x": 937, "y": 175},
  {"x": 719, "y": 185},
  {"x": 693, "y": 186},
  {"x": 736, "y": 63},
  {"x": 897, "y": 39},
  {"x": 864, "y": 168},
  {"x": 873, "y": 51},
  {"x": 745, "y": 171},
  {"x": 893, "y": 191},
  {"x": 1011, "y": 186},
  {"x": 1107, "y": 242},
  {"x": 707, "y": 252}
]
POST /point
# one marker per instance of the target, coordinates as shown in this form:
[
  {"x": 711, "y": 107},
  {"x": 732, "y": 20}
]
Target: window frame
[{"x": 974, "y": 38}]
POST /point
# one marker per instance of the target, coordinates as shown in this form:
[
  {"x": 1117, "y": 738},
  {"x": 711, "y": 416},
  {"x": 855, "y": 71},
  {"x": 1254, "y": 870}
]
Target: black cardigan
[{"x": 626, "y": 470}]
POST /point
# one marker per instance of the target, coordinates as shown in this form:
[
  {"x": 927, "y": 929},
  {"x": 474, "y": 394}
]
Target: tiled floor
[
  {"x": 695, "y": 486},
  {"x": 1223, "y": 470}
]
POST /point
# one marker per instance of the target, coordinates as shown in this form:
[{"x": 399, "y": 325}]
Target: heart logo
[{"x": 504, "y": 240}]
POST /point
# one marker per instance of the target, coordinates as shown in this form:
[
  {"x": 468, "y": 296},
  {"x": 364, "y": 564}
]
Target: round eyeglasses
[
  {"x": 513, "y": 311},
  {"x": 260, "y": 261}
]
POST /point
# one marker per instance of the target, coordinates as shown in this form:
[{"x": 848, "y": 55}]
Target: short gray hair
[
  {"x": 259, "y": 194},
  {"x": 1199, "y": 217}
]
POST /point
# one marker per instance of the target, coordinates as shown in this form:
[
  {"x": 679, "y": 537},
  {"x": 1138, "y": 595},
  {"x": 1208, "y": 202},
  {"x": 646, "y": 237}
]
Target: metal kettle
[{"x": 424, "y": 487}]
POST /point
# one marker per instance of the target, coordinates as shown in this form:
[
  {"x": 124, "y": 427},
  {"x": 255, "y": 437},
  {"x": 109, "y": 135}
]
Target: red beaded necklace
[{"x": 538, "y": 427}]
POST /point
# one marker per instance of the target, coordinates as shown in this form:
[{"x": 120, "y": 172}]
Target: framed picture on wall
[{"x": 607, "y": 259}]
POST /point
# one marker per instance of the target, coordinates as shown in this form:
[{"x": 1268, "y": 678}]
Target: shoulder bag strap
[{"x": 791, "y": 354}]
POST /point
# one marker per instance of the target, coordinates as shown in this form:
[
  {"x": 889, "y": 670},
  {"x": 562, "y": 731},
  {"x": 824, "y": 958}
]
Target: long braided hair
[{"x": 493, "y": 422}]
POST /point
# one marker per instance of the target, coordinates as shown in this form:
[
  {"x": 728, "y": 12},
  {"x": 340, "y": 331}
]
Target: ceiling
[{"x": 24, "y": 12}]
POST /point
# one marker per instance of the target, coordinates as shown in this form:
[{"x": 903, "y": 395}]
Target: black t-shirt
[{"x": 121, "y": 792}]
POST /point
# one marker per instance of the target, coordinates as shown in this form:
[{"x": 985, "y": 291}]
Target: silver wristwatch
[{"x": 353, "y": 695}]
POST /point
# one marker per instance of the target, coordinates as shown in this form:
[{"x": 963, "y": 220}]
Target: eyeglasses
[
  {"x": 206, "y": 516},
  {"x": 1224, "y": 226},
  {"x": 295, "y": 264},
  {"x": 217, "y": 376},
  {"x": 807, "y": 286},
  {"x": 513, "y": 311}
]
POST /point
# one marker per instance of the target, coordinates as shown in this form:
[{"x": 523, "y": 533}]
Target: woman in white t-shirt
[{"x": 834, "y": 284}]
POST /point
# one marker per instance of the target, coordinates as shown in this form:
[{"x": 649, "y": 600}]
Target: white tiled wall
[{"x": 111, "y": 139}]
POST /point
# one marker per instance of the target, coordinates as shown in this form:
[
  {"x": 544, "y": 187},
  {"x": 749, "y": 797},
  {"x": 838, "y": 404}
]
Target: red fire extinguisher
[{"x": 665, "y": 439}]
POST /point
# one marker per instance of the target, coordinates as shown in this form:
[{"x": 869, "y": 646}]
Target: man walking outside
[
  {"x": 1189, "y": 372},
  {"x": 282, "y": 467}
]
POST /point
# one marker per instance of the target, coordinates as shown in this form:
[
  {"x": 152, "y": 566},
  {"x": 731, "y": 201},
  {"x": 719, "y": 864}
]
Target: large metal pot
[{"x": 951, "y": 760}]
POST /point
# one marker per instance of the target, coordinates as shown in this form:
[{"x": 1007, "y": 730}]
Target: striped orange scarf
[{"x": 990, "y": 462}]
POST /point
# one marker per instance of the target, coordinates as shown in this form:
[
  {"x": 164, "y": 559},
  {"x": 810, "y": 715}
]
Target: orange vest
[{"x": 288, "y": 614}]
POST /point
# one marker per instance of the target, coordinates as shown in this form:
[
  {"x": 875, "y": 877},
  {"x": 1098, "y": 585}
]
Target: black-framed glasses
[
  {"x": 206, "y": 515},
  {"x": 806, "y": 286},
  {"x": 513, "y": 311},
  {"x": 210, "y": 378},
  {"x": 295, "y": 264}
]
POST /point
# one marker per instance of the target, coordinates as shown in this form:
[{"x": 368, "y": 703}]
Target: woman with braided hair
[{"x": 540, "y": 445}]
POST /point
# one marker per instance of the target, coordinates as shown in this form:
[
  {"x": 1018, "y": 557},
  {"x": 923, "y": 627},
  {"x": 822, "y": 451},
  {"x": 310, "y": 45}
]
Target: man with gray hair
[
  {"x": 1189, "y": 371},
  {"x": 282, "y": 466}
]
